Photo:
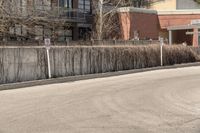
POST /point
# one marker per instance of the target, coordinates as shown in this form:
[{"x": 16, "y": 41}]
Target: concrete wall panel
[{"x": 25, "y": 64}]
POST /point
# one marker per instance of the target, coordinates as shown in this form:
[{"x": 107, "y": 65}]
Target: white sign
[
  {"x": 161, "y": 41},
  {"x": 47, "y": 42},
  {"x": 195, "y": 22}
]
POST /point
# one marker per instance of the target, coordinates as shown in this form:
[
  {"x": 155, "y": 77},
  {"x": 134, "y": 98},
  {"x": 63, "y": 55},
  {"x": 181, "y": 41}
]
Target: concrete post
[
  {"x": 195, "y": 37},
  {"x": 170, "y": 37}
]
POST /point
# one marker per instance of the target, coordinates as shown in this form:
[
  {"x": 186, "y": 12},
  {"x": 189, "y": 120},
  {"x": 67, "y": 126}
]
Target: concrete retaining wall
[
  {"x": 19, "y": 64},
  {"x": 30, "y": 63}
]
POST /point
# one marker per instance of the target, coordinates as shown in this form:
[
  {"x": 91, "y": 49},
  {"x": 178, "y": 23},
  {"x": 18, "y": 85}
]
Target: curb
[{"x": 89, "y": 76}]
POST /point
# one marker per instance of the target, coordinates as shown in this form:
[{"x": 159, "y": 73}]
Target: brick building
[
  {"x": 74, "y": 15},
  {"x": 177, "y": 21}
]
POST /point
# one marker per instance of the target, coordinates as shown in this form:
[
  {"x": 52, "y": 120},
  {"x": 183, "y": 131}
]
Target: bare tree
[
  {"x": 106, "y": 22},
  {"x": 28, "y": 15},
  {"x": 105, "y": 12}
]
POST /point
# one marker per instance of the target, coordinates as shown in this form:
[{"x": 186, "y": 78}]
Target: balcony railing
[{"x": 47, "y": 12}]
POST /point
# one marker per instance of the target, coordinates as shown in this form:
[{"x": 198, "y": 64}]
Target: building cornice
[
  {"x": 179, "y": 12},
  {"x": 159, "y": 12},
  {"x": 138, "y": 10}
]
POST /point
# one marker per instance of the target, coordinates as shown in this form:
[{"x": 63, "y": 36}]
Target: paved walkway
[{"x": 163, "y": 101}]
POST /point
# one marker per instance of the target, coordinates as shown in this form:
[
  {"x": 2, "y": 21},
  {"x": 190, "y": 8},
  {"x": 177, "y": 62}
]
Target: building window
[
  {"x": 66, "y": 3},
  {"x": 84, "y": 5},
  {"x": 64, "y": 34},
  {"x": 187, "y": 4},
  {"x": 84, "y": 33}
]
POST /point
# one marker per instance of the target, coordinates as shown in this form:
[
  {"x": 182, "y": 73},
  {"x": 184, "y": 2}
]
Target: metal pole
[
  {"x": 48, "y": 60},
  {"x": 161, "y": 51},
  {"x": 161, "y": 55}
]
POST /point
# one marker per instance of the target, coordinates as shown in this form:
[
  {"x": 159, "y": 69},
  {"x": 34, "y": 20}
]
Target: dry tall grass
[
  {"x": 97, "y": 59},
  {"x": 178, "y": 54},
  {"x": 22, "y": 64},
  {"x": 135, "y": 57}
]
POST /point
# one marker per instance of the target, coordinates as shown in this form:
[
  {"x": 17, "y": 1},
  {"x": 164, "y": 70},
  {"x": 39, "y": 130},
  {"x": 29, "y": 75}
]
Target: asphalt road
[{"x": 163, "y": 101}]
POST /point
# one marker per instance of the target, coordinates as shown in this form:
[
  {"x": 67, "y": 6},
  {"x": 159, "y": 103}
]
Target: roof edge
[
  {"x": 138, "y": 10},
  {"x": 159, "y": 12},
  {"x": 179, "y": 12}
]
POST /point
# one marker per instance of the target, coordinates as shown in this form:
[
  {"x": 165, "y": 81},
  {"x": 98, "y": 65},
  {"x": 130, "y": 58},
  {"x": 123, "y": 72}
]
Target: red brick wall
[
  {"x": 146, "y": 24},
  {"x": 175, "y": 20}
]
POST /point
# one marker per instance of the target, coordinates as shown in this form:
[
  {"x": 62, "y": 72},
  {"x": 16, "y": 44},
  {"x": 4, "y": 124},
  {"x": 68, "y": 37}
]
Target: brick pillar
[
  {"x": 170, "y": 37},
  {"x": 125, "y": 23},
  {"x": 195, "y": 37}
]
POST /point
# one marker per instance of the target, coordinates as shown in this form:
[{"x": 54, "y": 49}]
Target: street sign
[
  {"x": 47, "y": 42},
  {"x": 191, "y": 33},
  {"x": 161, "y": 41},
  {"x": 195, "y": 21}
]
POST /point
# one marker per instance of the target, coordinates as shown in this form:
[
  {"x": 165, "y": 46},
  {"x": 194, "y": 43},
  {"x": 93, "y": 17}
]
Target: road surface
[{"x": 163, "y": 101}]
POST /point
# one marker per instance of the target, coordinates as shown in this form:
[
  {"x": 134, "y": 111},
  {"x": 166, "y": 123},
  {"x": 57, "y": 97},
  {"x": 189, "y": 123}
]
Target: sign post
[
  {"x": 161, "y": 51},
  {"x": 47, "y": 42}
]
